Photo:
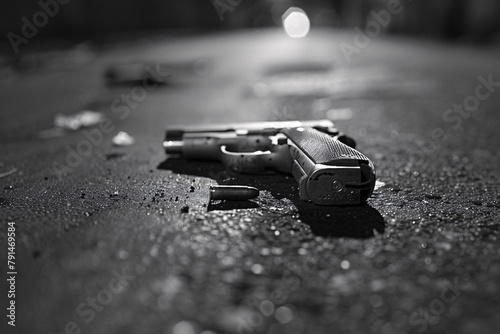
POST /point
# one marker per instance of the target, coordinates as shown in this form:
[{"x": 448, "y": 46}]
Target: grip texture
[{"x": 321, "y": 148}]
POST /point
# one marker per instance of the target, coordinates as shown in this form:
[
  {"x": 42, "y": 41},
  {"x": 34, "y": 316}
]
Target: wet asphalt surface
[{"x": 125, "y": 241}]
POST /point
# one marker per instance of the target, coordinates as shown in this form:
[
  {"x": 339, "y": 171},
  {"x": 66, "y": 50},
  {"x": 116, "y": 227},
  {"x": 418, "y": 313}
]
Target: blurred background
[
  {"x": 446, "y": 19},
  {"x": 67, "y": 67}
]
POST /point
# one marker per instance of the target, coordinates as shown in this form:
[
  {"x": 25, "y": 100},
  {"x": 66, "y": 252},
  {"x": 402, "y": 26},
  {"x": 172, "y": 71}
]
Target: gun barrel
[{"x": 173, "y": 146}]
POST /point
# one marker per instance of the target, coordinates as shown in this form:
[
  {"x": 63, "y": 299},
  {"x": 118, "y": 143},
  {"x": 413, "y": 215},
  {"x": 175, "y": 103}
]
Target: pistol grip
[{"x": 328, "y": 171}]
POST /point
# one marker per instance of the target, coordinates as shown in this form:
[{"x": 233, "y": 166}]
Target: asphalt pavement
[{"x": 119, "y": 239}]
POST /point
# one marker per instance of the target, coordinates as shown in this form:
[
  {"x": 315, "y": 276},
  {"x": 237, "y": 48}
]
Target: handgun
[{"x": 323, "y": 161}]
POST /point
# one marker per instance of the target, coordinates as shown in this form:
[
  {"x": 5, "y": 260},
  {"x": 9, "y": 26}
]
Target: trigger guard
[
  {"x": 224, "y": 150},
  {"x": 243, "y": 162}
]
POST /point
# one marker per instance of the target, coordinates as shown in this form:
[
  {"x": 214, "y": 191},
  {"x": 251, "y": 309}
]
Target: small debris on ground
[
  {"x": 83, "y": 119},
  {"x": 433, "y": 196},
  {"x": 114, "y": 155},
  {"x": 379, "y": 184},
  {"x": 10, "y": 172},
  {"x": 123, "y": 139}
]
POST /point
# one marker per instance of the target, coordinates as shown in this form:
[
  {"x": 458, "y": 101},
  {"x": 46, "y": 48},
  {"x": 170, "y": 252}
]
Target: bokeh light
[{"x": 296, "y": 22}]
